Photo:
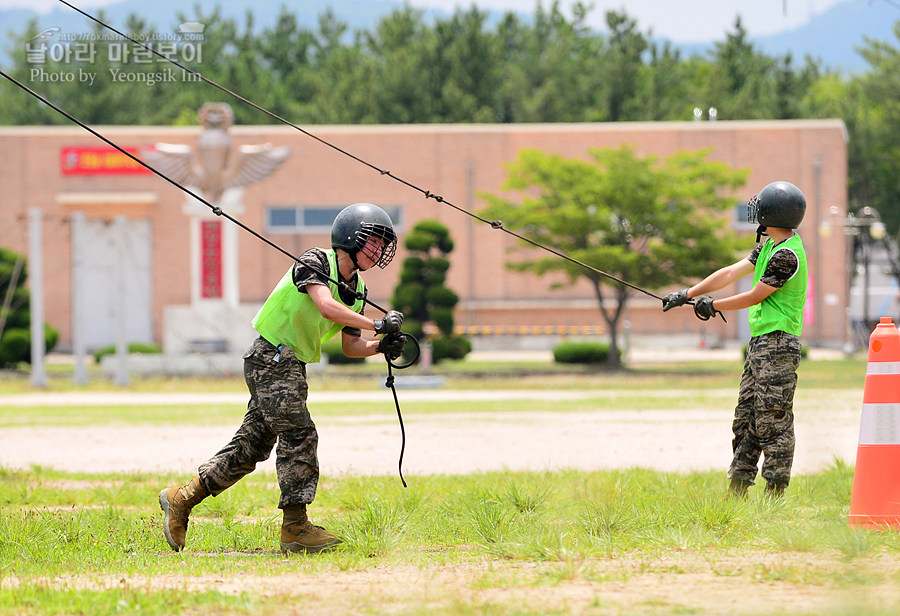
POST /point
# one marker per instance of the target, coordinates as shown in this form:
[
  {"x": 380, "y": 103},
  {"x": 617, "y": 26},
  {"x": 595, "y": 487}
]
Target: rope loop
[{"x": 496, "y": 224}]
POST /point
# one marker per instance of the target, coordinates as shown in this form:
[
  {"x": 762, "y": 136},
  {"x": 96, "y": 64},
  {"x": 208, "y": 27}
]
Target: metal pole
[
  {"x": 851, "y": 233},
  {"x": 79, "y": 376},
  {"x": 817, "y": 260},
  {"x": 865, "y": 248},
  {"x": 36, "y": 275},
  {"x": 121, "y": 303},
  {"x": 470, "y": 233}
]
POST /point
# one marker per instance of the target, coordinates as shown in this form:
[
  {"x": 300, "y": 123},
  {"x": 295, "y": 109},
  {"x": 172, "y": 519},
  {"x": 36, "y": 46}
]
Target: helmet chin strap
[{"x": 760, "y": 231}]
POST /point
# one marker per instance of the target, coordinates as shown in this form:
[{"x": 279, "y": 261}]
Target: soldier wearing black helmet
[
  {"x": 305, "y": 309},
  {"x": 763, "y": 418}
]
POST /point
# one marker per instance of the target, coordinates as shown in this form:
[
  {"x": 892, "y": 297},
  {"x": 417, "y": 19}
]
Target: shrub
[
  {"x": 581, "y": 353},
  {"x": 456, "y": 347},
  {"x": 133, "y": 347},
  {"x": 15, "y": 339},
  {"x": 15, "y": 345}
]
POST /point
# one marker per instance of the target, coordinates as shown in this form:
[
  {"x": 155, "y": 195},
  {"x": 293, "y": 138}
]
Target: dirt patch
[
  {"x": 755, "y": 583},
  {"x": 827, "y": 427}
]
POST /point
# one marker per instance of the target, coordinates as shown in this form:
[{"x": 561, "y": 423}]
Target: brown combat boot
[
  {"x": 773, "y": 491},
  {"x": 177, "y": 503},
  {"x": 738, "y": 488},
  {"x": 298, "y": 534}
]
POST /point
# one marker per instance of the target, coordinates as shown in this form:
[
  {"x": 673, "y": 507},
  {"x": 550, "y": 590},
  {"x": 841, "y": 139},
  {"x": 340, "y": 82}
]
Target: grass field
[{"x": 626, "y": 541}]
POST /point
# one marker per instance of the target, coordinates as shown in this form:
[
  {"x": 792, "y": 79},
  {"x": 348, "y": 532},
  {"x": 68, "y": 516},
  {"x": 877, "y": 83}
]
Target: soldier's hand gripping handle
[
  {"x": 673, "y": 300},
  {"x": 704, "y": 309},
  {"x": 390, "y": 324},
  {"x": 392, "y": 345}
]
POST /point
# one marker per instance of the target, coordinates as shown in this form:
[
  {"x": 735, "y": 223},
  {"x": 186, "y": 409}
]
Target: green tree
[
  {"x": 421, "y": 294},
  {"x": 747, "y": 84},
  {"x": 463, "y": 66},
  {"x": 874, "y": 126},
  {"x": 15, "y": 312},
  {"x": 650, "y": 223},
  {"x": 623, "y": 59}
]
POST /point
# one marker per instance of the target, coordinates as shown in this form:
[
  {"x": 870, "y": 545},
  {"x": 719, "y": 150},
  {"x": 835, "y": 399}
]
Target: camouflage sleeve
[
  {"x": 781, "y": 268},
  {"x": 309, "y": 269},
  {"x": 755, "y": 254}
]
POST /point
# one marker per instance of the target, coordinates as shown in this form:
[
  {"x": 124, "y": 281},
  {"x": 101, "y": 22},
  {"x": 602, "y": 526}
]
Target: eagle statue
[{"x": 212, "y": 170}]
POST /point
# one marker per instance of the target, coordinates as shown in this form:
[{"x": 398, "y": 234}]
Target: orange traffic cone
[{"x": 875, "y": 502}]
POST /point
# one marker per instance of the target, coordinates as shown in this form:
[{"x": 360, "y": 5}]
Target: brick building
[{"x": 162, "y": 238}]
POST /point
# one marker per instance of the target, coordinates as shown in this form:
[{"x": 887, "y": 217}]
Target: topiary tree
[
  {"x": 421, "y": 295},
  {"x": 15, "y": 312}
]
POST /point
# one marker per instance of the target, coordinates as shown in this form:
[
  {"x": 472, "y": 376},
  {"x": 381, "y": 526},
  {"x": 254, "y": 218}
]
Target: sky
[{"x": 681, "y": 21}]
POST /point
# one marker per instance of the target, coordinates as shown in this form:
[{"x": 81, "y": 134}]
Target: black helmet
[
  {"x": 356, "y": 223},
  {"x": 780, "y": 204}
]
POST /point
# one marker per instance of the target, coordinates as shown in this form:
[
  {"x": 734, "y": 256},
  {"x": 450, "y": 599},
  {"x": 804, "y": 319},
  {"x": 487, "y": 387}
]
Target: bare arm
[
  {"x": 746, "y": 299},
  {"x": 356, "y": 346},
  {"x": 335, "y": 311},
  {"x": 721, "y": 278}
]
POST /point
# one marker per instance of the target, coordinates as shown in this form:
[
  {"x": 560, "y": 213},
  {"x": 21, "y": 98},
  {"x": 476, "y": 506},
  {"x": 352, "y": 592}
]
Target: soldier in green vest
[
  {"x": 764, "y": 418},
  {"x": 320, "y": 296}
]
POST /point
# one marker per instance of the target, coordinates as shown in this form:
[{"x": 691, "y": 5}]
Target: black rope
[
  {"x": 495, "y": 224},
  {"x": 220, "y": 212},
  {"x": 389, "y": 382},
  {"x": 215, "y": 209}
]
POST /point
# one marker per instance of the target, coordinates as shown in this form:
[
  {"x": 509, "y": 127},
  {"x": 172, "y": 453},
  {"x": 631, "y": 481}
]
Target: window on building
[{"x": 297, "y": 219}]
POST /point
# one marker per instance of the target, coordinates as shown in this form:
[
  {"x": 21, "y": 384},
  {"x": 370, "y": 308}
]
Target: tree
[
  {"x": 624, "y": 62},
  {"x": 421, "y": 294},
  {"x": 874, "y": 168},
  {"x": 646, "y": 222},
  {"x": 15, "y": 312}
]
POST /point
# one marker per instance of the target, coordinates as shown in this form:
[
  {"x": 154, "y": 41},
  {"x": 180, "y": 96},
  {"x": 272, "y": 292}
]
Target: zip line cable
[
  {"x": 389, "y": 382},
  {"x": 495, "y": 224},
  {"x": 215, "y": 209}
]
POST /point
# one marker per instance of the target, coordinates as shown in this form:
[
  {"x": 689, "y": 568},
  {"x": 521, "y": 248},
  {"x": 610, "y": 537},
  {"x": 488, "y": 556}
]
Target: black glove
[
  {"x": 673, "y": 300},
  {"x": 703, "y": 308},
  {"x": 390, "y": 324},
  {"x": 392, "y": 345}
]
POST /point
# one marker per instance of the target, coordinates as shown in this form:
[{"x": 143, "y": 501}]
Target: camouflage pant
[
  {"x": 764, "y": 417},
  {"x": 276, "y": 412}
]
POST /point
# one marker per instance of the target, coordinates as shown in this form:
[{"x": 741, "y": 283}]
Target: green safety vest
[
  {"x": 783, "y": 309},
  {"x": 290, "y": 317}
]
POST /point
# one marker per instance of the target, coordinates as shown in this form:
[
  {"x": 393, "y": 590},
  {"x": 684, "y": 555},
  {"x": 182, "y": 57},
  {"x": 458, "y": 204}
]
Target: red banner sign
[
  {"x": 99, "y": 161},
  {"x": 211, "y": 259}
]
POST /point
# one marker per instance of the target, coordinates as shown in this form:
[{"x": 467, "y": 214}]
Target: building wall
[{"x": 454, "y": 161}]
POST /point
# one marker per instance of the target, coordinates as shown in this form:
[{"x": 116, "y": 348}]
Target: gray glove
[
  {"x": 392, "y": 345},
  {"x": 390, "y": 324},
  {"x": 673, "y": 300}
]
